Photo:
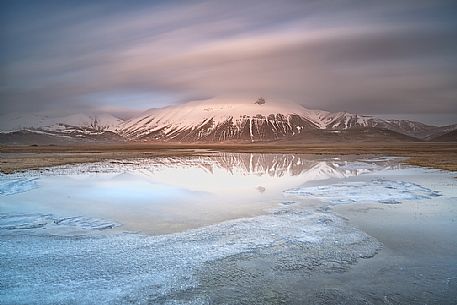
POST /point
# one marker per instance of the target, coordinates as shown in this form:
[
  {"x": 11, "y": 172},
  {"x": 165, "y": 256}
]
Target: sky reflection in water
[{"x": 173, "y": 194}]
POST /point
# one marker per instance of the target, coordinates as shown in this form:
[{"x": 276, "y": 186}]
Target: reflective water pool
[
  {"x": 166, "y": 195},
  {"x": 229, "y": 228}
]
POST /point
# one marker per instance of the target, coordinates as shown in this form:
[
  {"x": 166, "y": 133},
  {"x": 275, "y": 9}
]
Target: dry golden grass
[{"x": 16, "y": 158}]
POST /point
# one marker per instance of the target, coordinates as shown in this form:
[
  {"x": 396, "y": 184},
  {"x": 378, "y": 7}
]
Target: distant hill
[
  {"x": 450, "y": 136},
  {"x": 31, "y": 137}
]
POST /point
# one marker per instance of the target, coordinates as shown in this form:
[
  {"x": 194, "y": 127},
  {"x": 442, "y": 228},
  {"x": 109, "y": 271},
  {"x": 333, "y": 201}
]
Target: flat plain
[{"x": 16, "y": 158}]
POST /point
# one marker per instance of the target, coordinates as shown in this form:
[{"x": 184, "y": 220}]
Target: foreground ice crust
[
  {"x": 18, "y": 185},
  {"x": 123, "y": 268},
  {"x": 377, "y": 190},
  {"x": 52, "y": 223},
  {"x": 45, "y": 259}
]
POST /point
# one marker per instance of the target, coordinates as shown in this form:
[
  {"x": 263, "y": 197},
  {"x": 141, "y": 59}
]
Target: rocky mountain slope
[
  {"x": 79, "y": 121},
  {"x": 222, "y": 121},
  {"x": 215, "y": 121},
  {"x": 45, "y": 129}
]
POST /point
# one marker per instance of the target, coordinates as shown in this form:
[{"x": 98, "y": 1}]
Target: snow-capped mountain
[
  {"x": 83, "y": 122},
  {"x": 344, "y": 121},
  {"x": 215, "y": 121},
  {"x": 70, "y": 129},
  {"x": 223, "y": 120},
  {"x": 220, "y": 121}
]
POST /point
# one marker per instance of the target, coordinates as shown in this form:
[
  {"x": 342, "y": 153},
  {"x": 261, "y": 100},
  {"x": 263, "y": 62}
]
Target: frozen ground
[{"x": 294, "y": 250}]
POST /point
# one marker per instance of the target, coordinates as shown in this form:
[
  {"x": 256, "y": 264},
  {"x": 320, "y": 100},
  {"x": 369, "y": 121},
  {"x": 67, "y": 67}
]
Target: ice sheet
[
  {"x": 13, "y": 186},
  {"x": 375, "y": 190},
  {"x": 49, "y": 224},
  {"x": 48, "y": 269}
]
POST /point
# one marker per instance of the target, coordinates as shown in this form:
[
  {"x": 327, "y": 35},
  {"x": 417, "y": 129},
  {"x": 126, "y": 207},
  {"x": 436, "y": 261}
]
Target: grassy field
[{"x": 17, "y": 158}]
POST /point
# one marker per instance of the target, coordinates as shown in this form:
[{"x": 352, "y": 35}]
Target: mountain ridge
[
  {"x": 93, "y": 122},
  {"x": 215, "y": 121},
  {"x": 220, "y": 121}
]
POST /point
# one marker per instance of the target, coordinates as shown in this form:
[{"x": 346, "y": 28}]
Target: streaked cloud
[{"x": 389, "y": 57}]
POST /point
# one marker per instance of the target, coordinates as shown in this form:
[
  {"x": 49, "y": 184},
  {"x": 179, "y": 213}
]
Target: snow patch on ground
[{"x": 377, "y": 190}]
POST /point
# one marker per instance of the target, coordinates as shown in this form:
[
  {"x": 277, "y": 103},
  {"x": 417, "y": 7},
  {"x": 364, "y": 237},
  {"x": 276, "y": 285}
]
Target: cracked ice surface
[
  {"x": 377, "y": 190},
  {"x": 122, "y": 268}
]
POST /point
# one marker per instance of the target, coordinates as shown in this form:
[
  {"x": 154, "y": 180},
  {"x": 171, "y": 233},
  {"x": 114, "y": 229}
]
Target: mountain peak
[{"x": 260, "y": 101}]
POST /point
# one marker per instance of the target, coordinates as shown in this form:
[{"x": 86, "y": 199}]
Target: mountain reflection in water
[{"x": 170, "y": 194}]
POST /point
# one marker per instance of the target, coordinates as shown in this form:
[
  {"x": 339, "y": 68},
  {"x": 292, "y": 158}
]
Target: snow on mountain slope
[
  {"x": 80, "y": 122},
  {"x": 345, "y": 121},
  {"x": 192, "y": 113},
  {"x": 228, "y": 120},
  {"x": 412, "y": 128},
  {"x": 220, "y": 120}
]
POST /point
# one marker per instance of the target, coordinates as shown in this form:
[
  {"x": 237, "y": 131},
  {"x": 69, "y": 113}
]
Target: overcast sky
[{"x": 391, "y": 58}]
